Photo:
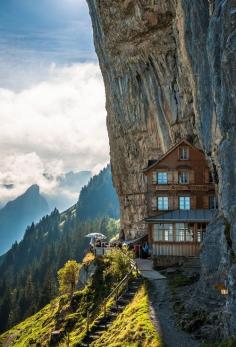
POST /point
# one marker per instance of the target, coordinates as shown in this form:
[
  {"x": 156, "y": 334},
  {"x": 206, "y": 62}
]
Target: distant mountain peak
[
  {"x": 35, "y": 189},
  {"x": 17, "y": 214}
]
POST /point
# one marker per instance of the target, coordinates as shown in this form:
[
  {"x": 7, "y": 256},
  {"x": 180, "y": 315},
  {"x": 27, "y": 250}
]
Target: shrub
[{"x": 68, "y": 277}]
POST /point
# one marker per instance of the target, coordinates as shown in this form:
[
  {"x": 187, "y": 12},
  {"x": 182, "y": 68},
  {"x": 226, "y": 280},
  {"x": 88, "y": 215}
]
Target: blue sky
[
  {"x": 34, "y": 34},
  {"x": 52, "y": 100}
]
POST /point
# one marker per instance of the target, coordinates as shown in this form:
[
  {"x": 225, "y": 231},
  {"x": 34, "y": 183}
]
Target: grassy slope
[
  {"x": 34, "y": 328},
  {"x": 133, "y": 327},
  {"x": 38, "y": 328}
]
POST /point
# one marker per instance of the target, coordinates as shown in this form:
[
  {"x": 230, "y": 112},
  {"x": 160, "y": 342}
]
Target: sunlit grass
[{"x": 133, "y": 327}]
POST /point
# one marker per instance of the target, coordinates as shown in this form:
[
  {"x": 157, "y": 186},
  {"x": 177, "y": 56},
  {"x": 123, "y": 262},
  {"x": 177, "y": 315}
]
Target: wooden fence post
[
  {"x": 68, "y": 340},
  {"x": 105, "y": 310},
  {"x": 87, "y": 322}
]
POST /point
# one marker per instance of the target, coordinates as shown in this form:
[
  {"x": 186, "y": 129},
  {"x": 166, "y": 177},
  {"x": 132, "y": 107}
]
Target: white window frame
[
  {"x": 201, "y": 229},
  {"x": 162, "y": 177},
  {"x": 184, "y": 153},
  {"x": 183, "y": 233},
  {"x": 163, "y": 203},
  {"x": 184, "y": 203},
  {"x": 183, "y": 177},
  {"x": 163, "y": 232}
]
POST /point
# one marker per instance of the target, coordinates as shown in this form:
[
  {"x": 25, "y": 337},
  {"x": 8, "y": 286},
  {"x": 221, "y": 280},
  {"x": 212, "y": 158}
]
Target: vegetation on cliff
[
  {"x": 133, "y": 327},
  {"x": 67, "y": 315},
  {"x": 29, "y": 270}
]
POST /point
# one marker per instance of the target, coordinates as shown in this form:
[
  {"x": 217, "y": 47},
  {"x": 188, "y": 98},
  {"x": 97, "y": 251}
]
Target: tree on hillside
[{"x": 68, "y": 277}]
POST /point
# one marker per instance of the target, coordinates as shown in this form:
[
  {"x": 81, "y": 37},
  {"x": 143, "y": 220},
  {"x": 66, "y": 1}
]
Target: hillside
[
  {"x": 28, "y": 270},
  {"x": 18, "y": 214},
  {"x": 99, "y": 198},
  {"x": 131, "y": 327}
]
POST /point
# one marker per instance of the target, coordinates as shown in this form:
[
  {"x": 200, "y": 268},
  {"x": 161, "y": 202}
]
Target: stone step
[
  {"x": 102, "y": 324},
  {"x": 123, "y": 301},
  {"x": 116, "y": 310},
  {"x": 94, "y": 337}
]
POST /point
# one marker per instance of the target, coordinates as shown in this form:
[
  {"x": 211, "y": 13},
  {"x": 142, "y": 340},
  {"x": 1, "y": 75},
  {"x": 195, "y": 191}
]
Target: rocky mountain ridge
[
  {"x": 16, "y": 215},
  {"x": 169, "y": 71}
]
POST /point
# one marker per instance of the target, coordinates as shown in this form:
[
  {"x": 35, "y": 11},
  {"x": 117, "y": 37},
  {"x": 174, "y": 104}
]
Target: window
[
  {"x": 184, "y": 153},
  {"x": 199, "y": 236},
  {"x": 183, "y": 233},
  {"x": 163, "y": 203},
  {"x": 162, "y": 178},
  {"x": 183, "y": 177},
  {"x": 201, "y": 228},
  {"x": 163, "y": 232},
  {"x": 180, "y": 230},
  {"x": 184, "y": 203},
  {"x": 188, "y": 235},
  {"x": 213, "y": 204}
]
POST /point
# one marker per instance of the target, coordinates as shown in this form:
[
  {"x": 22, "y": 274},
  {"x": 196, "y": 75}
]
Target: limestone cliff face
[{"x": 169, "y": 71}]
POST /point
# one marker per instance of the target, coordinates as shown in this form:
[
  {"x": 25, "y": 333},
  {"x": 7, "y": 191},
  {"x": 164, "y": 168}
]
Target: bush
[
  {"x": 119, "y": 263},
  {"x": 68, "y": 277}
]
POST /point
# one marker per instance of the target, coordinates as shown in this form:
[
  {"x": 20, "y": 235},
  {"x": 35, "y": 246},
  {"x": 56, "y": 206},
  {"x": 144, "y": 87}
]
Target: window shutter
[
  {"x": 191, "y": 177},
  {"x": 207, "y": 173},
  {"x": 154, "y": 177},
  {"x": 193, "y": 202},
  {"x": 154, "y": 203}
]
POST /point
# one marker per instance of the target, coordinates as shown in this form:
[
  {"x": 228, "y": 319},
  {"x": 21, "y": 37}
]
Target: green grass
[
  {"x": 66, "y": 316},
  {"x": 34, "y": 329},
  {"x": 133, "y": 327}
]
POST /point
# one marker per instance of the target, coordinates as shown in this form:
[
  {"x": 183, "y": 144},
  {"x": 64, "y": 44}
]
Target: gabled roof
[
  {"x": 149, "y": 167},
  {"x": 181, "y": 216}
]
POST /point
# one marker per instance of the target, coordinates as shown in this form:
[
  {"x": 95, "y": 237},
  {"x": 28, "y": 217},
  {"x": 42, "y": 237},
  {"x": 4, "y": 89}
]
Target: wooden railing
[
  {"x": 176, "y": 186},
  {"x": 114, "y": 295}
]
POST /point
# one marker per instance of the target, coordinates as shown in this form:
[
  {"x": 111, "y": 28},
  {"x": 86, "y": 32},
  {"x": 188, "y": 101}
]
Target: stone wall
[{"x": 169, "y": 70}]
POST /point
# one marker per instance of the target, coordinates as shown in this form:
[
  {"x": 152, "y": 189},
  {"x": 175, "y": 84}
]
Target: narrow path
[
  {"x": 164, "y": 317},
  {"x": 145, "y": 267},
  {"x": 162, "y": 312}
]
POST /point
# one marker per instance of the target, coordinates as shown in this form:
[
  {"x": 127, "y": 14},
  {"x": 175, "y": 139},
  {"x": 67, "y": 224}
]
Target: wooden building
[{"x": 181, "y": 201}]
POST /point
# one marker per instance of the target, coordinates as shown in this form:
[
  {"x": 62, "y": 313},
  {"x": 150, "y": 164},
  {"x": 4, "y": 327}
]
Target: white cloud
[{"x": 54, "y": 126}]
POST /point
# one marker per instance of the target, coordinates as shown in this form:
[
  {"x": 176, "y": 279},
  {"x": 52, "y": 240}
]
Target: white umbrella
[{"x": 96, "y": 236}]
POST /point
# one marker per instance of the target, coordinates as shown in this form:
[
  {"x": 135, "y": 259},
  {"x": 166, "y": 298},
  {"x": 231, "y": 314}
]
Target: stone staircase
[{"x": 102, "y": 324}]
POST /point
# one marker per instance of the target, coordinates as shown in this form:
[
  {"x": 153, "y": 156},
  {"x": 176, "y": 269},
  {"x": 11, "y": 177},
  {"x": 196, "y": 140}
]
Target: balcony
[{"x": 183, "y": 187}]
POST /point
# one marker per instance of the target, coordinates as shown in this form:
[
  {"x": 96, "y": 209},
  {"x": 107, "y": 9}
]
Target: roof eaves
[{"x": 167, "y": 153}]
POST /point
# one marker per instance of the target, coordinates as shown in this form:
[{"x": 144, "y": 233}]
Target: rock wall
[{"x": 169, "y": 71}]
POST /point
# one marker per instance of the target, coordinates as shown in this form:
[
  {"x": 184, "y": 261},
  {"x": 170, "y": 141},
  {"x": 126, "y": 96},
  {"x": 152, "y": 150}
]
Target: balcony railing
[{"x": 182, "y": 187}]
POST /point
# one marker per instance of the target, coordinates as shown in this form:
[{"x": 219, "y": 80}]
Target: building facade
[{"x": 181, "y": 200}]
